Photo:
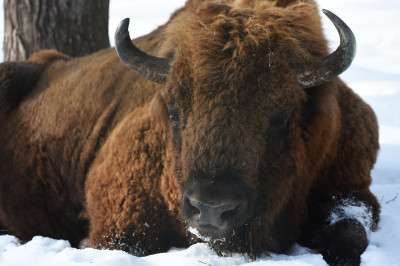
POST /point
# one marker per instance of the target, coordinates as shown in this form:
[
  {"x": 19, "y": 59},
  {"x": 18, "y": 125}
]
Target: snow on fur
[{"x": 352, "y": 209}]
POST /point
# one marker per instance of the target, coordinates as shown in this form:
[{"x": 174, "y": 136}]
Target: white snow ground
[{"x": 375, "y": 75}]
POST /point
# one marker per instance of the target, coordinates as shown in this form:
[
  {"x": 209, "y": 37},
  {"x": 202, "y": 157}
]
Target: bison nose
[
  {"x": 217, "y": 205},
  {"x": 214, "y": 214}
]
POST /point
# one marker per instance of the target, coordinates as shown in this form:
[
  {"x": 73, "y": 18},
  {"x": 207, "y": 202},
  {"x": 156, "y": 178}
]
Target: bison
[{"x": 233, "y": 129}]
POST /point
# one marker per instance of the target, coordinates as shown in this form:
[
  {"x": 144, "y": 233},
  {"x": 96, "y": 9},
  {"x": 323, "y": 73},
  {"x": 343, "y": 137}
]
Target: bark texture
[{"x": 73, "y": 27}]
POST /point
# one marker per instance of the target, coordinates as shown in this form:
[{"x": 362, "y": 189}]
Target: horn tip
[
  {"x": 124, "y": 24},
  {"x": 329, "y": 14},
  {"x": 121, "y": 30}
]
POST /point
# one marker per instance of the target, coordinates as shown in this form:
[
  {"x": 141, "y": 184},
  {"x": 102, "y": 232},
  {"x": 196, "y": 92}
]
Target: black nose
[
  {"x": 214, "y": 205},
  {"x": 214, "y": 214}
]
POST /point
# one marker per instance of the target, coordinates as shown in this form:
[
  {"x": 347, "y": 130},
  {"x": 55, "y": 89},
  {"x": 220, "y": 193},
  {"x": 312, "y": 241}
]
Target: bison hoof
[
  {"x": 84, "y": 243},
  {"x": 345, "y": 241}
]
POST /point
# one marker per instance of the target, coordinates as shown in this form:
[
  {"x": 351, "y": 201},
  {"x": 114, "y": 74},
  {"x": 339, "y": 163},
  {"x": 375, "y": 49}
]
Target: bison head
[{"x": 235, "y": 89}]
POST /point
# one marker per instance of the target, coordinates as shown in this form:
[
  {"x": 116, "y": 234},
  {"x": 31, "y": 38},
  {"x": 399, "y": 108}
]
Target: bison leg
[
  {"x": 344, "y": 242},
  {"x": 338, "y": 228},
  {"x": 3, "y": 231},
  {"x": 125, "y": 205},
  {"x": 130, "y": 222}
]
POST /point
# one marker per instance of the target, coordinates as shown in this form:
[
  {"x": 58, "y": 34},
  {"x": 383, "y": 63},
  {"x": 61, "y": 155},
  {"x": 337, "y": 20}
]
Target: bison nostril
[
  {"x": 209, "y": 205},
  {"x": 228, "y": 214},
  {"x": 189, "y": 208},
  {"x": 210, "y": 213}
]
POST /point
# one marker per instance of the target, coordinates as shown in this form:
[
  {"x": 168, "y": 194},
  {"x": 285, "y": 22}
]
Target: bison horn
[
  {"x": 334, "y": 64},
  {"x": 153, "y": 68}
]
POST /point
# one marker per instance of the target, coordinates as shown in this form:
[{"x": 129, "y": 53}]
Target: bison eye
[
  {"x": 277, "y": 129},
  {"x": 279, "y": 122},
  {"x": 176, "y": 124},
  {"x": 173, "y": 113},
  {"x": 173, "y": 118},
  {"x": 281, "y": 119}
]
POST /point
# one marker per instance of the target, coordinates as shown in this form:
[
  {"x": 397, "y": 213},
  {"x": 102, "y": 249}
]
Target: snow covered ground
[{"x": 375, "y": 75}]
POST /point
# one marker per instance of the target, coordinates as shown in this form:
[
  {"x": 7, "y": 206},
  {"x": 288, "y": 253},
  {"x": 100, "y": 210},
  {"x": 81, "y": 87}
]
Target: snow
[
  {"x": 374, "y": 75},
  {"x": 350, "y": 208}
]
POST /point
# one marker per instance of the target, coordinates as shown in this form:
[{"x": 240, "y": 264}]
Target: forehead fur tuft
[
  {"x": 220, "y": 44},
  {"x": 233, "y": 30}
]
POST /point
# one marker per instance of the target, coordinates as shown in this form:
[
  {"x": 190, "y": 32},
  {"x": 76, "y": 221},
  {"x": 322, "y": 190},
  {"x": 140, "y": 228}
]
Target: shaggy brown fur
[{"x": 86, "y": 146}]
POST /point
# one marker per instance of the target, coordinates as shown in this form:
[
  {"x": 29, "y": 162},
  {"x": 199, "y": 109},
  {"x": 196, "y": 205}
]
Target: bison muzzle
[{"x": 215, "y": 206}]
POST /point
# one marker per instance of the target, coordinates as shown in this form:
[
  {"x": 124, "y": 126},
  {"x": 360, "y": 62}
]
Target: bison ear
[{"x": 159, "y": 109}]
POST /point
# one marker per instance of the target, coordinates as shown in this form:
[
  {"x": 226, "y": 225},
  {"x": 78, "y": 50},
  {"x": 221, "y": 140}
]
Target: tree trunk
[{"x": 73, "y": 27}]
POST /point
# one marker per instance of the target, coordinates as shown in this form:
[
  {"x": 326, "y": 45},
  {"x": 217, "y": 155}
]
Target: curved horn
[
  {"x": 153, "y": 68},
  {"x": 337, "y": 62}
]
